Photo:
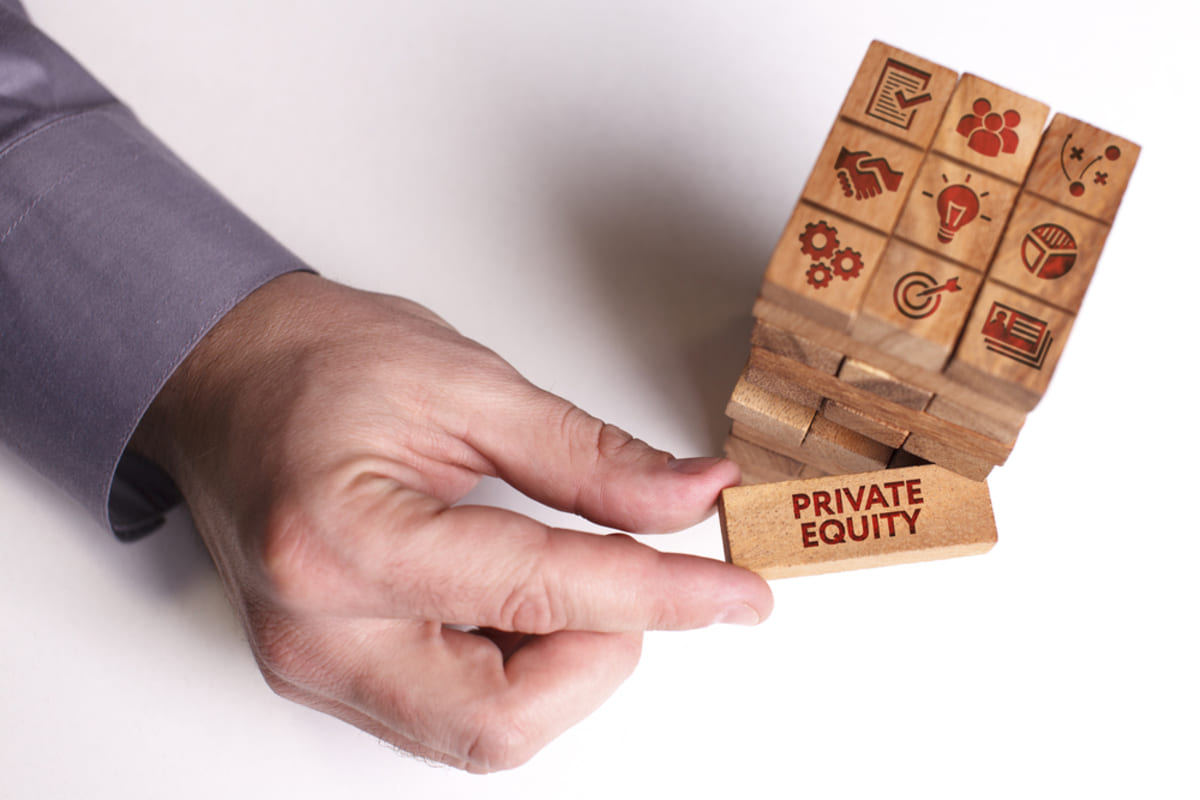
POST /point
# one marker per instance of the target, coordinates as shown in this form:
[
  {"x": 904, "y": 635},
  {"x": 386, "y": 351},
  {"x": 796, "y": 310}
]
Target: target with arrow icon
[{"x": 918, "y": 294}]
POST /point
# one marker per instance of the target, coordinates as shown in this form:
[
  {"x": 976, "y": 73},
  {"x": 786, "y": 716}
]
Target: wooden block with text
[{"x": 845, "y": 522}]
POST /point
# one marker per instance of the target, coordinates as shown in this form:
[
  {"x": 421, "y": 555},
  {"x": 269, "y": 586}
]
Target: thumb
[{"x": 562, "y": 456}]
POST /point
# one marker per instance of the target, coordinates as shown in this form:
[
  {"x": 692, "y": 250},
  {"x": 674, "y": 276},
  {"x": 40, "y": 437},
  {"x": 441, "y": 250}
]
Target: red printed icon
[
  {"x": 1099, "y": 178},
  {"x": 957, "y": 206},
  {"x": 988, "y": 132},
  {"x": 1049, "y": 251},
  {"x": 898, "y": 94},
  {"x": 820, "y": 243},
  {"x": 864, "y": 176},
  {"x": 918, "y": 294},
  {"x": 1017, "y": 335}
]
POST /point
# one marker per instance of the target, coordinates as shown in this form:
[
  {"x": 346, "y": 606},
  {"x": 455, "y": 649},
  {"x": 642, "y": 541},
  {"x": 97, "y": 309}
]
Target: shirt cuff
[{"x": 115, "y": 260}]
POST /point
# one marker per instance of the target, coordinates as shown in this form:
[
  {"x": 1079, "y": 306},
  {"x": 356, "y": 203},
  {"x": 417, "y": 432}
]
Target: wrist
[{"x": 192, "y": 411}]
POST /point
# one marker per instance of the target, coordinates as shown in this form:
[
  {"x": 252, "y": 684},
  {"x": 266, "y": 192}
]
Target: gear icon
[
  {"x": 819, "y": 240},
  {"x": 847, "y": 263},
  {"x": 819, "y": 276}
]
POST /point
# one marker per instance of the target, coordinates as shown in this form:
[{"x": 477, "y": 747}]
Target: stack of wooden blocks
[
  {"x": 920, "y": 297},
  {"x": 921, "y": 294}
]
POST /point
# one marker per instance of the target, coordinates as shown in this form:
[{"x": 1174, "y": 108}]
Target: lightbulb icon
[{"x": 957, "y": 205}]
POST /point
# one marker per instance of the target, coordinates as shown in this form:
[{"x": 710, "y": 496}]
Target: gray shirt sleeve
[{"x": 115, "y": 260}]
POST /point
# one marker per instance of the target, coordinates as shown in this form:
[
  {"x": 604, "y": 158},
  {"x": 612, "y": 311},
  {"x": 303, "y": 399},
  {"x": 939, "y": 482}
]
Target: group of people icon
[{"x": 988, "y": 132}]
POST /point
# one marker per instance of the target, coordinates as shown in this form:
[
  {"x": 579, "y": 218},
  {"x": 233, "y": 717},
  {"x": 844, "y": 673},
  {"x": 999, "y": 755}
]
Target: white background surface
[{"x": 593, "y": 189}]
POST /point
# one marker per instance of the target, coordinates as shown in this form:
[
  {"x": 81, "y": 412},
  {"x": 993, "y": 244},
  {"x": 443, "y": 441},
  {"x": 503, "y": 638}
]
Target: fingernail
[
  {"x": 693, "y": 466},
  {"x": 740, "y": 614}
]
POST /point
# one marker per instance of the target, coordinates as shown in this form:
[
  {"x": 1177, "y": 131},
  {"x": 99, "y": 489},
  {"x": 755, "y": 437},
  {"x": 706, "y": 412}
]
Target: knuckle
[
  {"x": 602, "y": 439},
  {"x": 288, "y": 561},
  {"x": 531, "y": 607},
  {"x": 594, "y": 446}
]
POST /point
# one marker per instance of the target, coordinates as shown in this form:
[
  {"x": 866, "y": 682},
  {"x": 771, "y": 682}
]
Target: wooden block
[
  {"x": 1002, "y": 427},
  {"x": 956, "y": 213},
  {"x": 871, "y": 427},
  {"x": 837, "y": 449},
  {"x": 882, "y": 383},
  {"x": 916, "y": 305},
  {"x": 948, "y": 456},
  {"x": 822, "y": 265},
  {"x": 1049, "y": 252},
  {"x": 868, "y": 403},
  {"x": 863, "y": 175},
  {"x": 759, "y": 464},
  {"x": 764, "y": 439},
  {"x": 797, "y": 348},
  {"x": 780, "y": 386},
  {"x": 781, "y": 421},
  {"x": 1010, "y": 346},
  {"x": 1082, "y": 168},
  {"x": 899, "y": 94},
  {"x": 991, "y": 128},
  {"x": 895, "y": 516},
  {"x": 864, "y": 376},
  {"x": 934, "y": 382}
]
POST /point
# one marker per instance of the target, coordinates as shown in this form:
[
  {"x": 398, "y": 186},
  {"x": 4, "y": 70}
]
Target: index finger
[{"x": 473, "y": 565}]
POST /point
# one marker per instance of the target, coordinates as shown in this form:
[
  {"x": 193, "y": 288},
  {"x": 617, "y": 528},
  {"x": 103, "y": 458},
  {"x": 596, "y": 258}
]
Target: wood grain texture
[
  {"x": 876, "y": 406},
  {"x": 875, "y": 428},
  {"x": 933, "y": 382},
  {"x": 797, "y": 348},
  {"x": 837, "y": 450},
  {"x": 1003, "y": 425},
  {"x": 877, "y": 381},
  {"x": 776, "y": 418},
  {"x": 946, "y": 455}
]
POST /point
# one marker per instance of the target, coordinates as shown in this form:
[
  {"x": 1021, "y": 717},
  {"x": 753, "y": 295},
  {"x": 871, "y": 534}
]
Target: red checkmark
[{"x": 915, "y": 101}]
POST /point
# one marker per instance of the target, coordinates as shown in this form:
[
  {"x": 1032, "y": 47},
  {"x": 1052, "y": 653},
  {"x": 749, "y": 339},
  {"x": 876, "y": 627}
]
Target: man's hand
[{"x": 321, "y": 436}]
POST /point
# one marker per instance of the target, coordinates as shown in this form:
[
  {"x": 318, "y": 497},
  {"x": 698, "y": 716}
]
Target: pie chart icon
[{"x": 1049, "y": 251}]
